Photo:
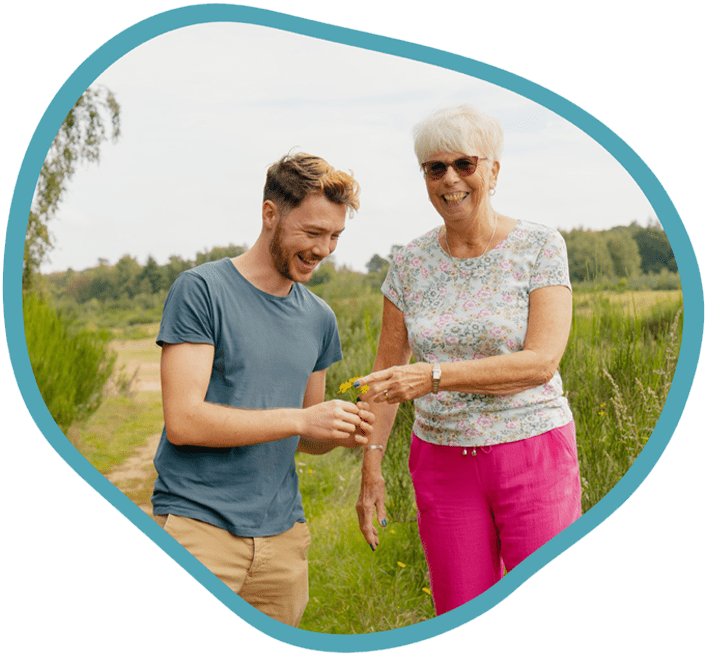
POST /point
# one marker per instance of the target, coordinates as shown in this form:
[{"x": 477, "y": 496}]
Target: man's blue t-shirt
[{"x": 265, "y": 349}]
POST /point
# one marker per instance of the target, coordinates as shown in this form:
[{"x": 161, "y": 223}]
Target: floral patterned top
[{"x": 465, "y": 309}]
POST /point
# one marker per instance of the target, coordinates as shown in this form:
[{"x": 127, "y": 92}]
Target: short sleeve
[
  {"x": 551, "y": 267},
  {"x": 331, "y": 348},
  {"x": 392, "y": 288},
  {"x": 188, "y": 314}
]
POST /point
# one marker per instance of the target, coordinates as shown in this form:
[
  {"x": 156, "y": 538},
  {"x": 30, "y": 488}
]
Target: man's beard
[{"x": 278, "y": 254}]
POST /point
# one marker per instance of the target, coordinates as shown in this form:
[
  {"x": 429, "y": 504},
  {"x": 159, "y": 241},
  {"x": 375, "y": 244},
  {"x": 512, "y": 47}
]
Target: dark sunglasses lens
[
  {"x": 465, "y": 167},
  {"x": 436, "y": 169}
]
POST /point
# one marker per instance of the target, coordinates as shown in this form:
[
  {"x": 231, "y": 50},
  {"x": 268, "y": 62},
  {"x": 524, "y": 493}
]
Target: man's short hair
[{"x": 294, "y": 177}]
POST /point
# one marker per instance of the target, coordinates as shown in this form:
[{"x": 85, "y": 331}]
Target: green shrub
[{"x": 71, "y": 366}]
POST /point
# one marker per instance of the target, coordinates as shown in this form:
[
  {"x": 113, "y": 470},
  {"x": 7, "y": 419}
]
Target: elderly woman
[{"x": 483, "y": 303}]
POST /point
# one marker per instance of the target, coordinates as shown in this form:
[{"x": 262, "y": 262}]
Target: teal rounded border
[{"x": 159, "y": 24}]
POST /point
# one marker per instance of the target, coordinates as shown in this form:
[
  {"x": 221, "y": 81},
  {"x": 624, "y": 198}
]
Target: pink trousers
[{"x": 483, "y": 510}]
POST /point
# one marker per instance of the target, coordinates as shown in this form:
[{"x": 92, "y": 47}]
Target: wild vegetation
[{"x": 617, "y": 372}]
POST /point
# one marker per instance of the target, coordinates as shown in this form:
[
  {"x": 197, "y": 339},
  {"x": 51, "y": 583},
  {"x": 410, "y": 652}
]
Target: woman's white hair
[{"x": 461, "y": 129}]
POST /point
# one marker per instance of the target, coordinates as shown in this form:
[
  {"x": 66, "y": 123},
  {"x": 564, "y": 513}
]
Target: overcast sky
[{"x": 206, "y": 108}]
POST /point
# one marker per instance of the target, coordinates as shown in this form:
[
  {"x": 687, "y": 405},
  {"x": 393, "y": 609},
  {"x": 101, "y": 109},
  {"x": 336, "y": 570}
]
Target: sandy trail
[
  {"x": 141, "y": 357},
  {"x": 137, "y": 469}
]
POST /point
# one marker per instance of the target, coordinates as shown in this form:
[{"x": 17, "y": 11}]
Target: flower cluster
[{"x": 354, "y": 391}]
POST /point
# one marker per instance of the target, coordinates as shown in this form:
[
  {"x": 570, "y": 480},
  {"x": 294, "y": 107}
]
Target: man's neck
[{"x": 257, "y": 267}]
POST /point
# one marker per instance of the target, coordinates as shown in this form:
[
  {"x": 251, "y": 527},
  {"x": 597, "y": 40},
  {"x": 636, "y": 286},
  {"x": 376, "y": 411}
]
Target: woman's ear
[{"x": 494, "y": 171}]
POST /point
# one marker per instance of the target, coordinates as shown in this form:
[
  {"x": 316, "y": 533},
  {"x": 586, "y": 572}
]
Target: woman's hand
[
  {"x": 398, "y": 383},
  {"x": 371, "y": 498}
]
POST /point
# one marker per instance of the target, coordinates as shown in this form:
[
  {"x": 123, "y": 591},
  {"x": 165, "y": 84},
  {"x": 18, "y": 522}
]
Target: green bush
[{"x": 71, "y": 366}]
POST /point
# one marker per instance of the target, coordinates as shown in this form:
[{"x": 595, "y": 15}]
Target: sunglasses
[{"x": 465, "y": 166}]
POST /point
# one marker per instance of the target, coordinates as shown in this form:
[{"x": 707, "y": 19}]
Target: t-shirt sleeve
[
  {"x": 187, "y": 316},
  {"x": 551, "y": 267},
  {"x": 393, "y": 287},
  {"x": 331, "y": 351}
]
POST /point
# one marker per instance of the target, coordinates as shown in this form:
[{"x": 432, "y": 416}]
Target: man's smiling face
[{"x": 305, "y": 236}]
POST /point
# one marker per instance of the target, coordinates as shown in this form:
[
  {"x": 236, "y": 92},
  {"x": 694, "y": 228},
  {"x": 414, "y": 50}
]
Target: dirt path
[{"x": 137, "y": 472}]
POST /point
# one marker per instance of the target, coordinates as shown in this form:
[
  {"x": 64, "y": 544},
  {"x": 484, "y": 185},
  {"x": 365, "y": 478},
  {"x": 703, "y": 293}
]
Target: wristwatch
[{"x": 436, "y": 376}]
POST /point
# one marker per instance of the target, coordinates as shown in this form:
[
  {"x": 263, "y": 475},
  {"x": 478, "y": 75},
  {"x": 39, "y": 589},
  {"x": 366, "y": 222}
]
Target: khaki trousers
[{"x": 269, "y": 573}]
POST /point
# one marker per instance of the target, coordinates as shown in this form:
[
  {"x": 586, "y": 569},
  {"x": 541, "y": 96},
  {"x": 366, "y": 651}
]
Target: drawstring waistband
[{"x": 473, "y": 449}]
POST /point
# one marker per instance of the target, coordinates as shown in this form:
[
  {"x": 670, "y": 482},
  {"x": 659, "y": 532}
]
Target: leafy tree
[
  {"x": 624, "y": 252},
  {"x": 150, "y": 279},
  {"x": 323, "y": 273},
  {"x": 173, "y": 268},
  {"x": 219, "y": 253},
  {"x": 127, "y": 274},
  {"x": 655, "y": 249},
  {"x": 588, "y": 255},
  {"x": 377, "y": 264},
  {"x": 79, "y": 139}
]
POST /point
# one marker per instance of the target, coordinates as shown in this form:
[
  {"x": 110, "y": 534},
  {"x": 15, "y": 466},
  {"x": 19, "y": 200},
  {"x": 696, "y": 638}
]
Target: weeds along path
[
  {"x": 139, "y": 360},
  {"x": 137, "y": 472}
]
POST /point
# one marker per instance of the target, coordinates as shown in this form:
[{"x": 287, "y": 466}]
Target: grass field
[{"x": 616, "y": 371}]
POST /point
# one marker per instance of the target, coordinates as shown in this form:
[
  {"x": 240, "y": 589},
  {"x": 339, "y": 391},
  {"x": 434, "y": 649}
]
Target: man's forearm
[{"x": 218, "y": 426}]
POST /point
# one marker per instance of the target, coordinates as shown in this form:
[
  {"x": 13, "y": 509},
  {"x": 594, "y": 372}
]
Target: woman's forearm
[
  {"x": 500, "y": 375},
  {"x": 383, "y": 422}
]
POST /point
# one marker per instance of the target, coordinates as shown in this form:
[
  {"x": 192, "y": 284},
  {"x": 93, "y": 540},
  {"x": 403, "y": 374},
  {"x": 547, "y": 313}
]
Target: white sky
[{"x": 206, "y": 108}]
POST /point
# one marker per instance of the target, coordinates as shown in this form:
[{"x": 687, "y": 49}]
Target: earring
[{"x": 492, "y": 191}]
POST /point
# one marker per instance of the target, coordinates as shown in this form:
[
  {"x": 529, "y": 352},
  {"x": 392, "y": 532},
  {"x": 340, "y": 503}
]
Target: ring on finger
[{"x": 386, "y": 394}]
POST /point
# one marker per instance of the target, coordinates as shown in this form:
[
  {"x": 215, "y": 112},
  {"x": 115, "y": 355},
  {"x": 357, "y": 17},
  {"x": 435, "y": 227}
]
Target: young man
[{"x": 245, "y": 348}]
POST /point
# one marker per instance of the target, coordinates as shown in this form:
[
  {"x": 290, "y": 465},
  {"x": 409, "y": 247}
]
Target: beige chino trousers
[{"x": 269, "y": 573}]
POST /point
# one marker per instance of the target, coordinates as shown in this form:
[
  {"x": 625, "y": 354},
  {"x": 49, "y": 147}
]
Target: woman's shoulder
[
  {"x": 533, "y": 233},
  {"x": 537, "y": 229},
  {"x": 421, "y": 245}
]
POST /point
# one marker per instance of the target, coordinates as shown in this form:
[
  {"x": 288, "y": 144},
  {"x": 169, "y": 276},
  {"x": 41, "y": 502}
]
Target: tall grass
[
  {"x": 352, "y": 589},
  {"x": 617, "y": 371}
]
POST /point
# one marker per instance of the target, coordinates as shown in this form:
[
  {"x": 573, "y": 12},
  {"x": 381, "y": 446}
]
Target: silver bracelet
[{"x": 375, "y": 447}]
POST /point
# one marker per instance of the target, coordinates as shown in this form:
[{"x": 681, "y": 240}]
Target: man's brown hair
[{"x": 294, "y": 177}]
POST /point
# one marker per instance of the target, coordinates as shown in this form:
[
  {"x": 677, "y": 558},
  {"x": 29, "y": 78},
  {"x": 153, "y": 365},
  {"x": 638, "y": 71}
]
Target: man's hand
[
  {"x": 364, "y": 430},
  {"x": 335, "y": 420}
]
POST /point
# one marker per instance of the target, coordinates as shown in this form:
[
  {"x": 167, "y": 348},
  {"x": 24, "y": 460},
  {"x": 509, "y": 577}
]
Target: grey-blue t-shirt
[{"x": 265, "y": 349}]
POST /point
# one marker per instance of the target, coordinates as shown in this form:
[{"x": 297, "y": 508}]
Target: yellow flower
[
  {"x": 402, "y": 565},
  {"x": 426, "y": 590},
  {"x": 354, "y": 391}
]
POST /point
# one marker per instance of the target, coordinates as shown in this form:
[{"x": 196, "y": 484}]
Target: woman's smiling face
[{"x": 456, "y": 197}]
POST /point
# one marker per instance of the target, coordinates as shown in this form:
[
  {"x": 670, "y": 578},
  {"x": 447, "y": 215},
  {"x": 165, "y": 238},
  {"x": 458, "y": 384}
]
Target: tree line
[
  {"x": 620, "y": 252},
  {"x": 127, "y": 279}
]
